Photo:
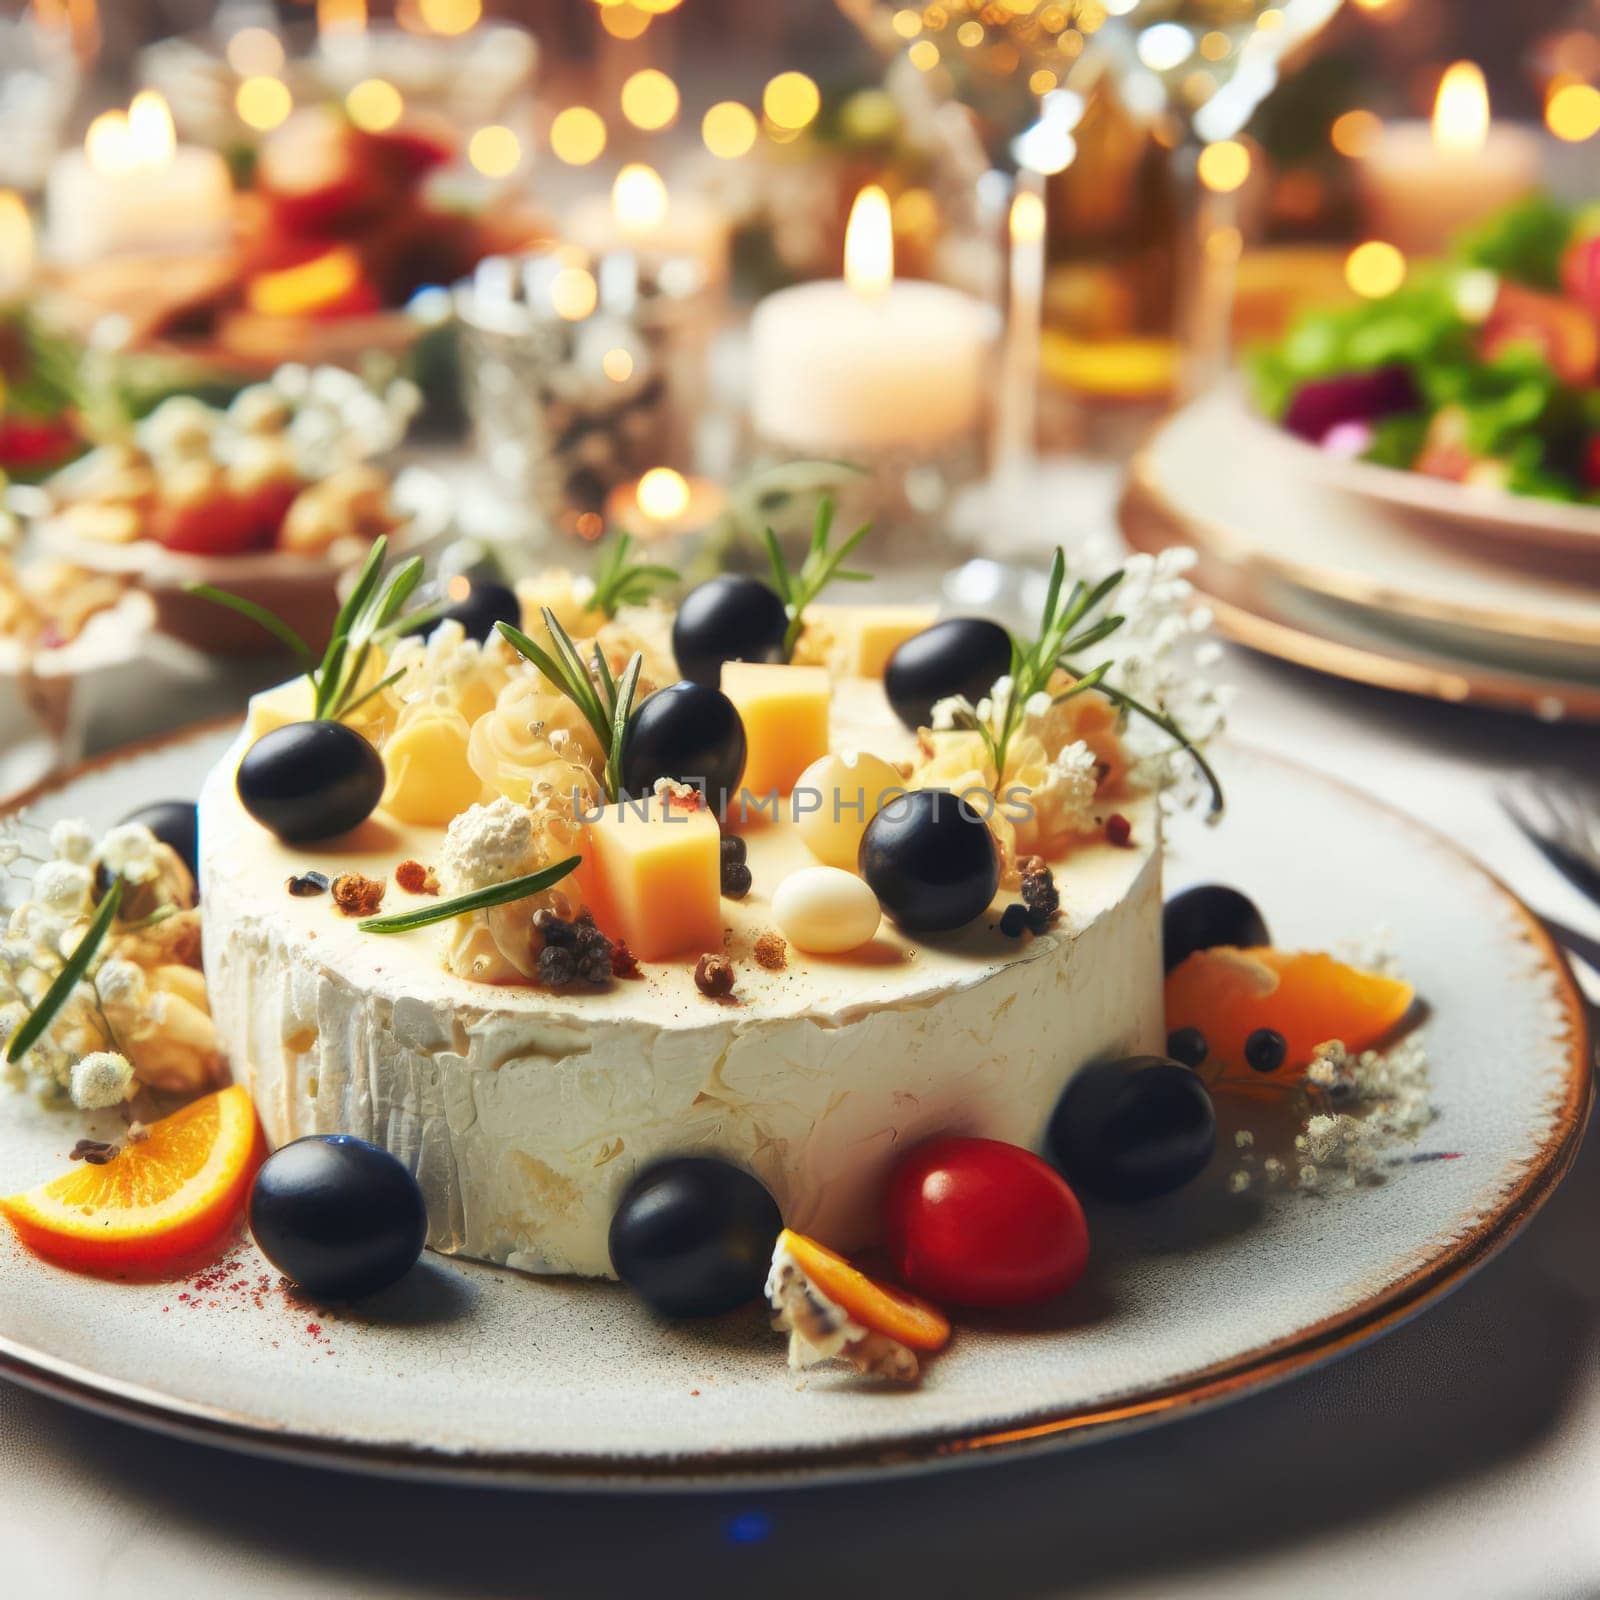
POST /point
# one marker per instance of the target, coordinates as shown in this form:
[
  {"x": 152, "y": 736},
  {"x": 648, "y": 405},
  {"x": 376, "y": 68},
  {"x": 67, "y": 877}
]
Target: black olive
[
  {"x": 693, "y": 1236},
  {"x": 338, "y": 1216},
  {"x": 1209, "y": 915},
  {"x": 687, "y": 732},
  {"x": 961, "y": 655},
  {"x": 484, "y": 604},
  {"x": 1133, "y": 1129},
  {"x": 310, "y": 780},
  {"x": 930, "y": 859},
  {"x": 729, "y": 618}
]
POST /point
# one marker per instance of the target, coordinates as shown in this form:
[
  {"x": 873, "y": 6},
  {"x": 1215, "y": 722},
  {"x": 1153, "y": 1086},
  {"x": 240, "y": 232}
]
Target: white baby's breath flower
[
  {"x": 130, "y": 851},
  {"x": 72, "y": 839},
  {"x": 64, "y": 888},
  {"x": 950, "y": 712},
  {"x": 120, "y": 983},
  {"x": 102, "y": 1079}
]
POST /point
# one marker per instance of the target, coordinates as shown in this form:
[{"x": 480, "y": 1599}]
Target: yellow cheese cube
[
  {"x": 857, "y": 641},
  {"x": 785, "y": 715},
  {"x": 652, "y": 876}
]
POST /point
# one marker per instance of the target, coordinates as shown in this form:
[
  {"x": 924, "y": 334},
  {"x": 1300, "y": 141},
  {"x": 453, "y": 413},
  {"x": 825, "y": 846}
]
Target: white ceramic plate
[
  {"x": 1243, "y": 494},
  {"x": 477, "y": 1373}
]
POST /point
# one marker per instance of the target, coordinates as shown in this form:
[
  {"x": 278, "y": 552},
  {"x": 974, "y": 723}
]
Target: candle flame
[
  {"x": 869, "y": 243},
  {"x": 639, "y": 199},
  {"x": 663, "y": 494},
  {"x": 150, "y": 129},
  {"x": 341, "y": 16},
  {"x": 16, "y": 241},
  {"x": 1461, "y": 111},
  {"x": 140, "y": 139},
  {"x": 1027, "y": 218}
]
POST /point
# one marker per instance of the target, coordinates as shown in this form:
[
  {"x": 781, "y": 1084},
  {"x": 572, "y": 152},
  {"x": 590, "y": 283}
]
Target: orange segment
[
  {"x": 1307, "y": 996},
  {"x": 159, "y": 1199},
  {"x": 903, "y": 1317}
]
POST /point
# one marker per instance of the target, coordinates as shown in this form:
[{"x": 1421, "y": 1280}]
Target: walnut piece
[
  {"x": 713, "y": 976},
  {"x": 357, "y": 896}
]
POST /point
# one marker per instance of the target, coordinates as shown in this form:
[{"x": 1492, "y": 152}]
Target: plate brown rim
[
  {"x": 1251, "y": 620},
  {"x": 1231, "y": 1379}
]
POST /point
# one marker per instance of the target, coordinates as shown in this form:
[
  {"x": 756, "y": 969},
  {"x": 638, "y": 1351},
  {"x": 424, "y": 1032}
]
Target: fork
[{"x": 1561, "y": 818}]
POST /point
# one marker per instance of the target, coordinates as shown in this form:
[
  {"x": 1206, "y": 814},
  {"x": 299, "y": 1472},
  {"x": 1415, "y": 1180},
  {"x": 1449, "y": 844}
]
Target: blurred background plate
[
  {"x": 1323, "y": 635},
  {"x": 1224, "y": 483},
  {"x": 1515, "y": 524}
]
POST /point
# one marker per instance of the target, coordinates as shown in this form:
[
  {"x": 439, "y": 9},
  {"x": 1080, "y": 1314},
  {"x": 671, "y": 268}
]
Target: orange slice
[
  {"x": 903, "y": 1317},
  {"x": 1306, "y": 996},
  {"x": 157, "y": 1201}
]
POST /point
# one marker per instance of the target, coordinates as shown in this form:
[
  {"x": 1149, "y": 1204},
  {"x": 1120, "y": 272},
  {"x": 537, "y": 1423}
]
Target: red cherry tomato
[{"x": 973, "y": 1222}]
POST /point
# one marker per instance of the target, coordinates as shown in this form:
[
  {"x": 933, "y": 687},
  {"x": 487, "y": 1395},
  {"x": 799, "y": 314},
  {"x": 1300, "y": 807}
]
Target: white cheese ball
[
  {"x": 836, "y": 797},
  {"x": 825, "y": 910}
]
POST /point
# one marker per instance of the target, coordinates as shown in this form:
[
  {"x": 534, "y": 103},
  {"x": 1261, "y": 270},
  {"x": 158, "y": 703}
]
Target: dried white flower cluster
[
  {"x": 1160, "y": 657},
  {"x": 139, "y": 1013}
]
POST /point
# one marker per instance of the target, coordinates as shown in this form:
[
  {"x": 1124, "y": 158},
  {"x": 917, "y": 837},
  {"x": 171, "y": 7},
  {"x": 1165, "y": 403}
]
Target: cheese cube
[
  {"x": 652, "y": 876},
  {"x": 785, "y": 715},
  {"x": 857, "y": 641}
]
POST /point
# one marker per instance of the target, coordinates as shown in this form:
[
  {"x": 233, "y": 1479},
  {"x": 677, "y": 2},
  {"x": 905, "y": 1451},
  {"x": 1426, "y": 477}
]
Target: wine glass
[{"x": 1199, "y": 69}]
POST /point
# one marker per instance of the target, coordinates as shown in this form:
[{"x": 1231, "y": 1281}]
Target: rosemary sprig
[
  {"x": 619, "y": 580},
  {"x": 372, "y": 616},
  {"x": 1071, "y": 624},
  {"x": 605, "y": 702},
  {"x": 33, "y": 1026},
  {"x": 820, "y": 567},
  {"x": 497, "y": 894}
]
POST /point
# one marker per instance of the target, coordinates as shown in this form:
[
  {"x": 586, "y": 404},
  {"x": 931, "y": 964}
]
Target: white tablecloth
[{"x": 1459, "y": 1456}]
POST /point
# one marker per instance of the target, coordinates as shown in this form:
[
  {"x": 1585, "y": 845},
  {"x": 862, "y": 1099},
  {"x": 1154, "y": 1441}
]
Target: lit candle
[
  {"x": 663, "y": 504},
  {"x": 643, "y": 216},
  {"x": 868, "y": 362},
  {"x": 16, "y": 247},
  {"x": 1425, "y": 182},
  {"x": 134, "y": 190}
]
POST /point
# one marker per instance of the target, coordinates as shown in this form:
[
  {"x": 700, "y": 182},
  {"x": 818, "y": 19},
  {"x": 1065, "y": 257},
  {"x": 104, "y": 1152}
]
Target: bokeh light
[
  {"x": 263, "y": 103},
  {"x": 1375, "y": 269},
  {"x": 1224, "y": 166},
  {"x": 450, "y": 16},
  {"x": 729, "y": 129},
  {"x": 494, "y": 151},
  {"x": 1355, "y": 133},
  {"x": 374, "y": 104},
  {"x": 650, "y": 100},
  {"x": 1572, "y": 113},
  {"x": 791, "y": 100},
  {"x": 573, "y": 294},
  {"x": 578, "y": 136}
]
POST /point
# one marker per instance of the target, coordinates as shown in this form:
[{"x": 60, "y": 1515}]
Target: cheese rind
[{"x": 525, "y": 1112}]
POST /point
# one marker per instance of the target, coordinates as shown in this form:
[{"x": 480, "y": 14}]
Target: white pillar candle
[
  {"x": 1423, "y": 183},
  {"x": 867, "y": 363},
  {"x": 133, "y": 190}
]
